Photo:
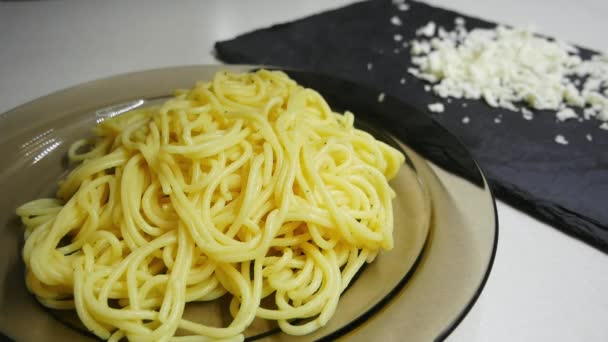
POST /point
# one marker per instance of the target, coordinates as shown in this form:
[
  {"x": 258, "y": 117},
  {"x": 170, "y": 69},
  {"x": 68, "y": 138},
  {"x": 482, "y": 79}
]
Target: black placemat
[{"x": 564, "y": 185}]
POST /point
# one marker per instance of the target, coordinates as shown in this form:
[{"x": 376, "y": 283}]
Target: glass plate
[{"x": 445, "y": 219}]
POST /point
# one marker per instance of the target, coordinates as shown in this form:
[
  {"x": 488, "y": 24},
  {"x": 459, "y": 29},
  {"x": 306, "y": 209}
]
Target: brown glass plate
[{"x": 445, "y": 220}]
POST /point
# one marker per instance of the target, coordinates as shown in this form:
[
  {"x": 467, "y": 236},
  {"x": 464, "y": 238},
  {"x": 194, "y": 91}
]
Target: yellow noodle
[{"x": 248, "y": 185}]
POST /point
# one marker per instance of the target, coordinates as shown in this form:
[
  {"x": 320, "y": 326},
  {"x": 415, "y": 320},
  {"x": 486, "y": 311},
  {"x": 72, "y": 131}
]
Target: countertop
[{"x": 545, "y": 286}]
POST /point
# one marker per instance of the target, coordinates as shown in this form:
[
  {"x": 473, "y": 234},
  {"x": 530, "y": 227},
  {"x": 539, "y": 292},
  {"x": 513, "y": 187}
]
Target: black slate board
[{"x": 564, "y": 185}]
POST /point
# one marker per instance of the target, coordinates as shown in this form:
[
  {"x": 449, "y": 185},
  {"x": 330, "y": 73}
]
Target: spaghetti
[{"x": 248, "y": 185}]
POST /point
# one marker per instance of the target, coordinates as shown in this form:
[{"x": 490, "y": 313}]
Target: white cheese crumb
[
  {"x": 402, "y": 81},
  {"x": 464, "y": 105},
  {"x": 527, "y": 114},
  {"x": 436, "y": 107},
  {"x": 604, "y": 126},
  {"x": 507, "y": 105},
  {"x": 589, "y": 112},
  {"x": 403, "y": 7},
  {"x": 420, "y": 47},
  {"x": 369, "y": 66},
  {"x": 466, "y": 120},
  {"x": 459, "y": 21},
  {"x": 405, "y": 44},
  {"x": 427, "y": 87},
  {"x": 589, "y": 137},
  {"x": 395, "y": 51},
  {"x": 398, "y": 37},
  {"x": 413, "y": 71},
  {"x": 561, "y": 140},
  {"x": 395, "y": 20},
  {"x": 497, "y": 120},
  {"x": 381, "y": 97},
  {"x": 566, "y": 114},
  {"x": 428, "y": 30}
]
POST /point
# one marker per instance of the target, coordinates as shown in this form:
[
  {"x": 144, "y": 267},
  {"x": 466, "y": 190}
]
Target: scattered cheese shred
[
  {"x": 395, "y": 20},
  {"x": 560, "y": 139},
  {"x": 381, "y": 97},
  {"x": 527, "y": 114},
  {"x": 436, "y": 107}
]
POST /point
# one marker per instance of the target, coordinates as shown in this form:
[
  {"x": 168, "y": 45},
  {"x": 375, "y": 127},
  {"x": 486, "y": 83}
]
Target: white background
[{"x": 545, "y": 286}]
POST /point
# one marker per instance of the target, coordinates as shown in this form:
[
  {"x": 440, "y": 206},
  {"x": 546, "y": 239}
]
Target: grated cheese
[{"x": 511, "y": 68}]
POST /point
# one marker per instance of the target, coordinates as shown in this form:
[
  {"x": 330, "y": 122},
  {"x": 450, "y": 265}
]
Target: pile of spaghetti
[{"x": 248, "y": 185}]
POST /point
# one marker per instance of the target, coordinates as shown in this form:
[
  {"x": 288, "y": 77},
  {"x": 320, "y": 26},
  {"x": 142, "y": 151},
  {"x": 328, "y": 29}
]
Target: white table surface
[{"x": 544, "y": 286}]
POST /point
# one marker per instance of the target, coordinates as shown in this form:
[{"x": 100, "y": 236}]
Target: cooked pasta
[{"x": 248, "y": 185}]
